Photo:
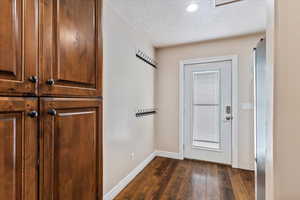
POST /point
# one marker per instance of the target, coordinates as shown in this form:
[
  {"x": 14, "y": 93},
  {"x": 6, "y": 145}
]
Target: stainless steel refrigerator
[{"x": 260, "y": 116}]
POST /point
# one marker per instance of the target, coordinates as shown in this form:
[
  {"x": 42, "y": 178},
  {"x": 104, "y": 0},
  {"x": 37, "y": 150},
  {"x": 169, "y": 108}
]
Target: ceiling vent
[{"x": 224, "y": 2}]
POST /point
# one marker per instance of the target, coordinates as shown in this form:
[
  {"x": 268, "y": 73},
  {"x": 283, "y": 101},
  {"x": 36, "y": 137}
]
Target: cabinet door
[
  {"x": 18, "y": 47},
  {"x": 71, "y": 48},
  {"x": 18, "y": 149},
  {"x": 71, "y": 149}
]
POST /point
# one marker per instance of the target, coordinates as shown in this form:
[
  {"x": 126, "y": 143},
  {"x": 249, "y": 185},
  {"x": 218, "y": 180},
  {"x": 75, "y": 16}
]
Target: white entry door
[{"x": 208, "y": 111}]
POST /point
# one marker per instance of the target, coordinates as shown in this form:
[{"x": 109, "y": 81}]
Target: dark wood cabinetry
[
  {"x": 50, "y": 99},
  {"x": 71, "y": 150},
  {"x": 71, "y": 54},
  {"x": 66, "y": 45},
  {"x": 18, "y": 47},
  {"x": 18, "y": 149}
]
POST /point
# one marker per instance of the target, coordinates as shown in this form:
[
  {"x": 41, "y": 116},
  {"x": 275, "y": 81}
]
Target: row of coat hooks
[
  {"x": 145, "y": 112},
  {"x": 144, "y": 57}
]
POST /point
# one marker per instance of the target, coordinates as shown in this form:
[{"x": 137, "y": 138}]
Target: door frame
[{"x": 235, "y": 100}]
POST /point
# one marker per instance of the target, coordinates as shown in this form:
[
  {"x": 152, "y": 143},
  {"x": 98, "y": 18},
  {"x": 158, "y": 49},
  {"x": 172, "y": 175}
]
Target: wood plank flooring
[{"x": 168, "y": 179}]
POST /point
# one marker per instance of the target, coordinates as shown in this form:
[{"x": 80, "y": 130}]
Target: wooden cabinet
[
  {"x": 51, "y": 53},
  {"x": 71, "y": 149},
  {"x": 66, "y": 45},
  {"x": 71, "y": 54},
  {"x": 18, "y": 149},
  {"x": 18, "y": 47}
]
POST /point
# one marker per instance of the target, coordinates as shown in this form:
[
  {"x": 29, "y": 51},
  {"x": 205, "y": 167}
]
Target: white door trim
[{"x": 235, "y": 100}]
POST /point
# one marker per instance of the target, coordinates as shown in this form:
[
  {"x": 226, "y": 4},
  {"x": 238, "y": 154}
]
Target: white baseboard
[
  {"x": 125, "y": 181},
  {"x": 169, "y": 155},
  {"x": 246, "y": 166}
]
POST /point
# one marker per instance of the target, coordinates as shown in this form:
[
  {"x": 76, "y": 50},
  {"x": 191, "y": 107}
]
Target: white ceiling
[{"x": 167, "y": 23}]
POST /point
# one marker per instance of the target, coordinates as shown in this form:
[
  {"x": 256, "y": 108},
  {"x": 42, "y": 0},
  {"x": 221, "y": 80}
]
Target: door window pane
[
  {"x": 206, "y": 86},
  {"x": 206, "y": 110}
]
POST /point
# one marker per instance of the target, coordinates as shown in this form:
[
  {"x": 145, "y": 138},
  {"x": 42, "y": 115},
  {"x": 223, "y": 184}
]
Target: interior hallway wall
[
  {"x": 128, "y": 85},
  {"x": 286, "y": 100},
  {"x": 167, "y": 90}
]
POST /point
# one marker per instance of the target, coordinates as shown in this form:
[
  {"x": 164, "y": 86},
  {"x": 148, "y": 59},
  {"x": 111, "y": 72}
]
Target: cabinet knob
[
  {"x": 33, "y": 79},
  {"x": 33, "y": 114},
  {"x": 52, "y": 112},
  {"x": 50, "y": 82}
]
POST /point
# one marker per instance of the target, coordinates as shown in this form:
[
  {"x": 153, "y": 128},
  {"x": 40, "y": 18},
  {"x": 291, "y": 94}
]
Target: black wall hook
[
  {"x": 145, "y": 112},
  {"x": 144, "y": 57}
]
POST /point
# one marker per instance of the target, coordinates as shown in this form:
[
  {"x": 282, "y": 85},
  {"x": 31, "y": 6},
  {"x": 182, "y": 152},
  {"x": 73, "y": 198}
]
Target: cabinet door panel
[
  {"x": 10, "y": 156},
  {"x": 79, "y": 54},
  {"x": 18, "y": 149},
  {"x": 18, "y": 46},
  {"x": 72, "y": 47},
  {"x": 72, "y": 155}
]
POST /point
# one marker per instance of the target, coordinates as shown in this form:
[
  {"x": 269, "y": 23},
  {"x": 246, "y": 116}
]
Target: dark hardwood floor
[{"x": 168, "y": 179}]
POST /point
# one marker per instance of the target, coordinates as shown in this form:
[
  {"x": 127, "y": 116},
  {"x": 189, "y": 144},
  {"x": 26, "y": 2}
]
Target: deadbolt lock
[{"x": 228, "y": 110}]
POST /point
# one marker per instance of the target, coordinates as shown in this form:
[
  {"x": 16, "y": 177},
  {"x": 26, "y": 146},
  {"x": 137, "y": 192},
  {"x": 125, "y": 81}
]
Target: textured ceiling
[{"x": 167, "y": 23}]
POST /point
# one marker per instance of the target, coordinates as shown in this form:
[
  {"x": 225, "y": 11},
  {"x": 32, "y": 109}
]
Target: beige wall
[
  {"x": 167, "y": 91},
  {"x": 287, "y": 100},
  {"x": 128, "y": 85},
  {"x": 269, "y": 87}
]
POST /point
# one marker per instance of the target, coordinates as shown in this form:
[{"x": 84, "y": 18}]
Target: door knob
[
  {"x": 52, "y": 112},
  {"x": 228, "y": 118},
  {"x": 33, "y": 79},
  {"x": 50, "y": 82},
  {"x": 33, "y": 114}
]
